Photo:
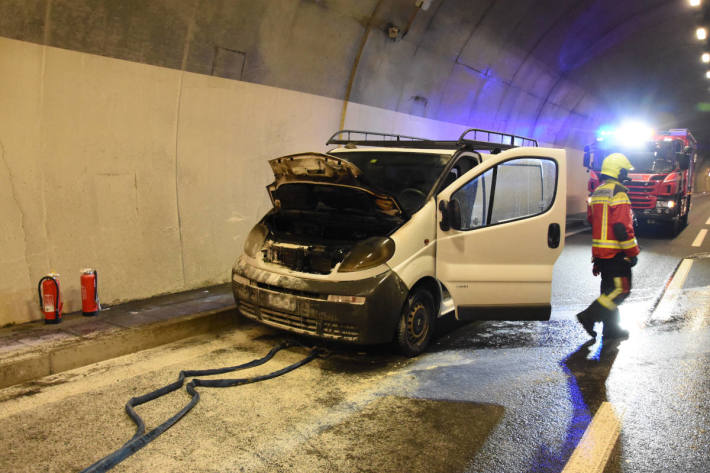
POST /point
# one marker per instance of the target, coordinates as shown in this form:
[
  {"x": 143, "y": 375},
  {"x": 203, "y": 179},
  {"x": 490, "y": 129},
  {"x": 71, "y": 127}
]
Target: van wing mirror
[
  {"x": 450, "y": 215},
  {"x": 444, "y": 222},
  {"x": 683, "y": 161},
  {"x": 454, "y": 211},
  {"x": 587, "y": 156}
]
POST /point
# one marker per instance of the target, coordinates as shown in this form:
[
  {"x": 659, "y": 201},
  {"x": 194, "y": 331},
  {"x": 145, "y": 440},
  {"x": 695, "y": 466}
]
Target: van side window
[
  {"x": 473, "y": 199},
  {"x": 463, "y": 165},
  {"x": 524, "y": 187}
]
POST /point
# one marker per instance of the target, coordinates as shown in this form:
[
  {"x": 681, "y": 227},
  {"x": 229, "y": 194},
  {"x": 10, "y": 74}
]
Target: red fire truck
[{"x": 662, "y": 178}]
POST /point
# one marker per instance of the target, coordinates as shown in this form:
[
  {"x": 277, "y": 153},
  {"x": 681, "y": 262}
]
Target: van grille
[{"x": 301, "y": 323}]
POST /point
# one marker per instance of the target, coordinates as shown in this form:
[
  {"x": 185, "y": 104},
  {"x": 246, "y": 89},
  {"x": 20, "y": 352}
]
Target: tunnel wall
[
  {"x": 502, "y": 64},
  {"x": 134, "y": 135},
  {"x": 151, "y": 175}
]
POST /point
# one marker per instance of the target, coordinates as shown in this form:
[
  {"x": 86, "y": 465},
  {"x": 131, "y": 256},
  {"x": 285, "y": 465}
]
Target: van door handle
[{"x": 553, "y": 235}]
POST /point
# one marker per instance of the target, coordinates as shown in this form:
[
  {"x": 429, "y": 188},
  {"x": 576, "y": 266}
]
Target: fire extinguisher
[
  {"x": 90, "y": 292},
  {"x": 50, "y": 298}
]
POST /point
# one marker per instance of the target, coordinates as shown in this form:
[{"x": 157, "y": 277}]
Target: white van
[{"x": 374, "y": 240}]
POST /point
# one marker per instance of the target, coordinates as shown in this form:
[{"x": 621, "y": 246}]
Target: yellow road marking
[
  {"x": 707, "y": 222},
  {"x": 699, "y": 239},
  {"x": 593, "y": 451}
]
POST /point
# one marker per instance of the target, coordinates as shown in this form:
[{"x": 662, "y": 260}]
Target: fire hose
[{"x": 140, "y": 439}]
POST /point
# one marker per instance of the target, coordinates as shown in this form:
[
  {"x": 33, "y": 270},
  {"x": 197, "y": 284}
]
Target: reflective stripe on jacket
[{"x": 610, "y": 205}]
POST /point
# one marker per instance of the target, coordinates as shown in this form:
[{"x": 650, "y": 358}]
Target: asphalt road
[{"x": 487, "y": 397}]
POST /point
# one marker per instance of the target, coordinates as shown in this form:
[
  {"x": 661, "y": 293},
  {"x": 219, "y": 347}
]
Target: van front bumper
[{"x": 302, "y": 305}]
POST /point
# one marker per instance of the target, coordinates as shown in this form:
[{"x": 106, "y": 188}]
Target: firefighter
[{"x": 614, "y": 247}]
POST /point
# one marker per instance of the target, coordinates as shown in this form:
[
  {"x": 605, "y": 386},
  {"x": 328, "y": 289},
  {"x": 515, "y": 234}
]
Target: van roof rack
[
  {"x": 473, "y": 138},
  {"x": 496, "y": 137}
]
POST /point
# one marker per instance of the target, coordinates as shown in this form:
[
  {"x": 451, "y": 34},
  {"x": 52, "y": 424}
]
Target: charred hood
[{"x": 315, "y": 181}]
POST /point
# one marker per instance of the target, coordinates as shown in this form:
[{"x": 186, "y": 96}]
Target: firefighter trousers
[{"x": 616, "y": 281}]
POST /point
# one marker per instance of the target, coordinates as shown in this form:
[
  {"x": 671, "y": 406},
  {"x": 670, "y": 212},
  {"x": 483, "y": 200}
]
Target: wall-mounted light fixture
[
  {"x": 707, "y": 74},
  {"x": 694, "y": 3},
  {"x": 425, "y": 4},
  {"x": 392, "y": 31},
  {"x": 705, "y": 57},
  {"x": 701, "y": 33}
]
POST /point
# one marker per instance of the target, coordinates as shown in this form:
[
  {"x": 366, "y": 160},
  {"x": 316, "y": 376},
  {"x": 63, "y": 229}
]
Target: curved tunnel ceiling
[
  {"x": 553, "y": 69},
  {"x": 556, "y": 69}
]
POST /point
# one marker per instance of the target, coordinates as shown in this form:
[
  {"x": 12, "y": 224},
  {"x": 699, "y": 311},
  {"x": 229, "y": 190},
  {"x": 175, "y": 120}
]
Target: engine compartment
[{"x": 315, "y": 242}]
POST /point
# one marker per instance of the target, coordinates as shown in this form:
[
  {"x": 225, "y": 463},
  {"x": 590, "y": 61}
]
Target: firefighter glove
[
  {"x": 632, "y": 260},
  {"x": 595, "y": 269}
]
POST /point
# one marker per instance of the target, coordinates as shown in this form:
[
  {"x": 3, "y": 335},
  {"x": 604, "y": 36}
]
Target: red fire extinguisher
[
  {"x": 50, "y": 298},
  {"x": 90, "y": 292}
]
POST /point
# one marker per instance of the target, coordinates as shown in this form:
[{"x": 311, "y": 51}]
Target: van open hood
[{"x": 310, "y": 181}]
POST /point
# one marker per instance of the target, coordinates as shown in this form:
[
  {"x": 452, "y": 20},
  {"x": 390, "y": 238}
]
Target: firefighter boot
[
  {"x": 590, "y": 315},
  {"x": 611, "y": 326}
]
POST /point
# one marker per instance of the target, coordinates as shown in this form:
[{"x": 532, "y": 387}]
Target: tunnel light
[
  {"x": 694, "y": 3},
  {"x": 707, "y": 74},
  {"x": 705, "y": 57},
  {"x": 701, "y": 33}
]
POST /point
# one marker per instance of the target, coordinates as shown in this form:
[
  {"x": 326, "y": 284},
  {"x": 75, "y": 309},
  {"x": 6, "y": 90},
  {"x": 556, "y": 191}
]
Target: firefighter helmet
[{"x": 616, "y": 165}]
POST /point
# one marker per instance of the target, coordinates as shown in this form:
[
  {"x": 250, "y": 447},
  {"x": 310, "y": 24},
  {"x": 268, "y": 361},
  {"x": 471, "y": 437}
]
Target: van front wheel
[{"x": 416, "y": 324}]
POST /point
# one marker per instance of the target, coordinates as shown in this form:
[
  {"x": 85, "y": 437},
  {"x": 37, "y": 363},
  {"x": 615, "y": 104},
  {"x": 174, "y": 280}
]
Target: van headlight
[
  {"x": 367, "y": 254},
  {"x": 255, "y": 240}
]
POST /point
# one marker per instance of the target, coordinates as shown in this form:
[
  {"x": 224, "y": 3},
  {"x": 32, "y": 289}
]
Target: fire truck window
[
  {"x": 524, "y": 187},
  {"x": 663, "y": 165}
]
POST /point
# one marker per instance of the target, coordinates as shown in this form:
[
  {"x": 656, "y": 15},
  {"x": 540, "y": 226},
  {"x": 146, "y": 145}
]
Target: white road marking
[
  {"x": 574, "y": 232},
  {"x": 593, "y": 451},
  {"x": 707, "y": 222},
  {"x": 699, "y": 239},
  {"x": 672, "y": 291},
  {"x": 680, "y": 275}
]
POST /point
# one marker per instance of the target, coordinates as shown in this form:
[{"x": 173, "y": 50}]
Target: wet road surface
[{"x": 487, "y": 396}]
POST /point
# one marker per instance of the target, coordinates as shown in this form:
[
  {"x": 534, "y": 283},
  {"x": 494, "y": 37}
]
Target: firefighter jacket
[{"x": 612, "y": 221}]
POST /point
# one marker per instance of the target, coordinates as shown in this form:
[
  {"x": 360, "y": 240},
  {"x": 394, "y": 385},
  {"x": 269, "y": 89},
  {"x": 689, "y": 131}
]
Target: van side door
[{"x": 500, "y": 230}]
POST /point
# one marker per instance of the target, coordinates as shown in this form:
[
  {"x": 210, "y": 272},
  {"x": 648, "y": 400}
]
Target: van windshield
[{"x": 407, "y": 176}]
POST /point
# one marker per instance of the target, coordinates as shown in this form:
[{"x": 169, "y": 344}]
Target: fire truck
[{"x": 661, "y": 182}]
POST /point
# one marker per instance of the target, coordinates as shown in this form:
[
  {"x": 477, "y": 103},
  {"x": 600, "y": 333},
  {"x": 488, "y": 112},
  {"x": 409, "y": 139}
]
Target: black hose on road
[{"x": 140, "y": 439}]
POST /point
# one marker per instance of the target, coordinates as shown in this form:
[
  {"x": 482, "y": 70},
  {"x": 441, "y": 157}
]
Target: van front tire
[{"x": 416, "y": 323}]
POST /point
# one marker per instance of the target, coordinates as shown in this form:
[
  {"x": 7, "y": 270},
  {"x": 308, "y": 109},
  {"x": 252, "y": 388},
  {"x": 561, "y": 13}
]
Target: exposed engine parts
[{"x": 304, "y": 258}]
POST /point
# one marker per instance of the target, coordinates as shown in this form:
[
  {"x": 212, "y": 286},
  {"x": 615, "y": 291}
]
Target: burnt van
[{"x": 374, "y": 240}]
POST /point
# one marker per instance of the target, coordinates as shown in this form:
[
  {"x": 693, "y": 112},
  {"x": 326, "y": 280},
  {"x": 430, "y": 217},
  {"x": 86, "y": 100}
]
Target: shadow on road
[{"x": 587, "y": 370}]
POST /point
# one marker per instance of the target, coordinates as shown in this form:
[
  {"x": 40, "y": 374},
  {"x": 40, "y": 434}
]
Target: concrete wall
[
  {"x": 151, "y": 175},
  {"x": 473, "y": 62}
]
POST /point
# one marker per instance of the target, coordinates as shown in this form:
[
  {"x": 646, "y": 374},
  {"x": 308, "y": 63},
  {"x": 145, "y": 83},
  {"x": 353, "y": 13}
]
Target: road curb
[{"x": 74, "y": 354}]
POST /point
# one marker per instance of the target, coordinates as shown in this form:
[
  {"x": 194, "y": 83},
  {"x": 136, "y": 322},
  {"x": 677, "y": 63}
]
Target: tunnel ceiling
[
  {"x": 554, "y": 69},
  {"x": 632, "y": 59},
  {"x": 642, "y": 59}
]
